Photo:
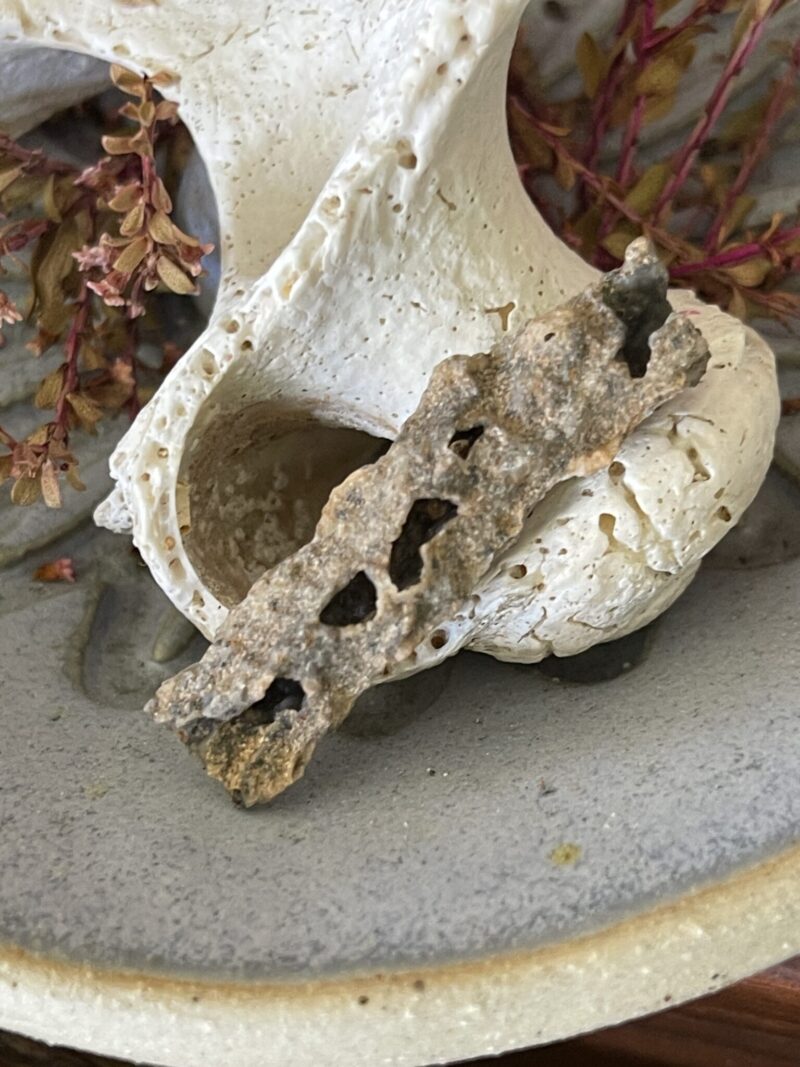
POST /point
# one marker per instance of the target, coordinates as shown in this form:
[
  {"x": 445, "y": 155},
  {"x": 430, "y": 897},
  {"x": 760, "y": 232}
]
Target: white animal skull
[{"x": 373, "y": 223}]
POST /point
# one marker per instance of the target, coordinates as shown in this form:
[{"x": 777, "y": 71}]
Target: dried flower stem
[
  {"x": 33, "y": 160},
  {"x": 607, "y": 90},
  {"x": 687, "y": 155},
  {"x": 779, "y": 101},
  {"x": 119, "y": 210},
  {"x": 739, "y": 254},
  {"x": 634, "y": 125},
  {"x": 72, "y": 348}
]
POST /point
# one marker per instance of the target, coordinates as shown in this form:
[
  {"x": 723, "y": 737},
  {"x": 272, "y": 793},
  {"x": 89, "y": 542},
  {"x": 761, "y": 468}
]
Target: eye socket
[{"x": 425, "y": 519}]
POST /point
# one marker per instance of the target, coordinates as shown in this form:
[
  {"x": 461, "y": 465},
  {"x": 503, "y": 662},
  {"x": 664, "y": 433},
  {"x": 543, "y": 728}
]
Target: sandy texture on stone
[{"x": 403, "y": 541}]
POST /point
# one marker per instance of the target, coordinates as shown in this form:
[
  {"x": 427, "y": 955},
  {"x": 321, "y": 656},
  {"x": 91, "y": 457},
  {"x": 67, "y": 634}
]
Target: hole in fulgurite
[
  {"x": 258, "y": 479},
  {"x": 425, "y": 519},
  {"x": 353, "y": 604},
  {"x": 462, "y": 440},
  {"x": 282, "y": 695}
]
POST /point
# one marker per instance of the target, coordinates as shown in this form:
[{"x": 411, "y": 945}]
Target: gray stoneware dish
[{"x": 485, "y": 856}]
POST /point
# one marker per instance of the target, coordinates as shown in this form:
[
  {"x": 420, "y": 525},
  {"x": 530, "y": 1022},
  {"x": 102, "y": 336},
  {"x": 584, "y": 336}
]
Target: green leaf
[
  {"x": 751, "y": 272},
  {"x": 565, "y": 173},
  {"x": 591, "y": 63},
  {"x": 49, "y": 204},
  {"x": 648, "y": 188},
  {"x": 743, "y": 124},
  {"x": 659, "y": 78},
  {"x": 741, "y": 208}
]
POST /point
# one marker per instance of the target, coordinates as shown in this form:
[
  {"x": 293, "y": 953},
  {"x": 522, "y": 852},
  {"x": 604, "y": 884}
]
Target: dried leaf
[
  {"x": 9, "y": 176},
  {"x": 591, "y": 63},
  {"x": 162, "y": 79},
  {"x": 39, "y": 436},
  {"x": 166, "y": 111},
  {"x": 737, "y": 305},
  {"x": 50, "y": 389},
  {"x": 129, "y": 82},
  {"x": 173, "y": 277},
  {"x": 130, "y": 111},
  {"x": 118, "y": 146},
  {"x": 52, "y": 264},
  {"x": 648, "y": 188},
  {"x": 126, "y": 197},
  {"x": 87, "y": 412},
  {"x": 791, "y": 247},
  {"x": 751, "y": 272},
  {"x": 92, "y": 358},
  {"x": 130, "y": 258},
  {"x": 57, "y": 570},
  {"x": 147, "y": 113},
  {"x": 162, "y": 230},
  {"x": 565, "y": 173},
  {"x": 49, "y": 204},
  {"x": 160, "y": 196},
  {"x": 133, "y": 221},
  {"x": 73, "y": 479},
  {"x": 25, "y": 491},
  {"x": 51, "y": 490}
]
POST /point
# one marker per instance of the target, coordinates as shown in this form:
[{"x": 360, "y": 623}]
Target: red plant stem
[
  {"x": 72, "y": 349},
  {"x": 17, "y": 235},
  {"x": 594, "y": 181},
  {"x": 634, "y": 124},
  {"x": 739, "y": 254},
  {"x": 663, "y": 36},
  {"x": 779, "y": 101},
  {"x": 604, "y": 97},
  {"x": 713, "y": 109},
  {"x": 33, "y": 160}
]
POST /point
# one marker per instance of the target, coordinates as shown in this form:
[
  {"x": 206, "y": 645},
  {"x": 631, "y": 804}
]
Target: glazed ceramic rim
[{"x": 677, "y": 951}]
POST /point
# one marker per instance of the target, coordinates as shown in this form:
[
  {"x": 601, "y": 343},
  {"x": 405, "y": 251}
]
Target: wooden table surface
[{"x": 753, "y": 1024}]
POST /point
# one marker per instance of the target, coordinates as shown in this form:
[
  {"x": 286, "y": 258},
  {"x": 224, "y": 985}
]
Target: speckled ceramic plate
[{"x": 484, "y": 856}]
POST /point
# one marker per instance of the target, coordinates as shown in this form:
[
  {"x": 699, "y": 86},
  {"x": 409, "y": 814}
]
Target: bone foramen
[{"x": 403, "y": 542}]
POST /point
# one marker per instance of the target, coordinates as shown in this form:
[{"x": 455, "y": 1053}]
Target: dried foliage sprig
[
  {"x": 582, "y": 159},
  {"x": 98, "y": 241}
]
